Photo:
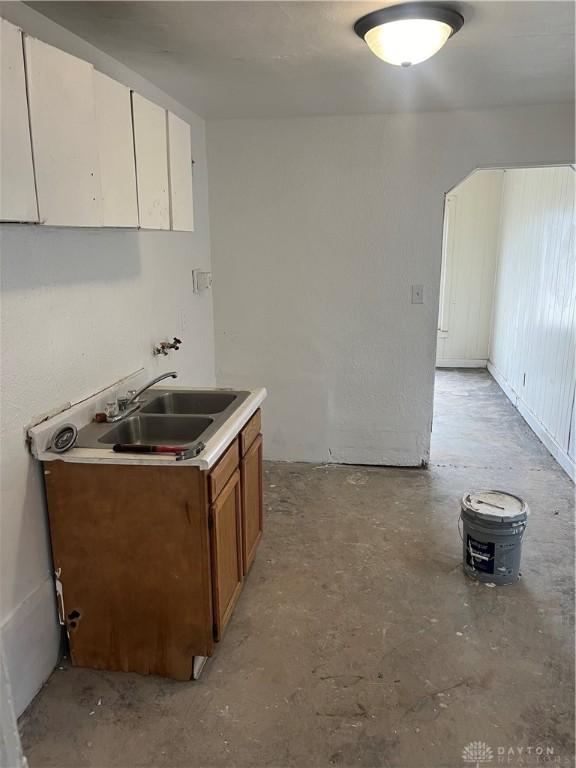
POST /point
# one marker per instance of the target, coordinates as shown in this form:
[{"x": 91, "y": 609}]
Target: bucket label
[{"x": 480, "y": 554}]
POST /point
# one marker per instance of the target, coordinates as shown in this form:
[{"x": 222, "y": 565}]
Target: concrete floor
[{"x": 358, "y": 641}]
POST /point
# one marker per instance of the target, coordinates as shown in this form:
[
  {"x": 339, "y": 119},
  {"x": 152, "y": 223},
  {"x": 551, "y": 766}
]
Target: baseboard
[
  {"x": 457, "y": 362},
  {"x": 510, "y": 393},
  {"x": 565, "y": 461},
  {"x": 31, "y": 639}
]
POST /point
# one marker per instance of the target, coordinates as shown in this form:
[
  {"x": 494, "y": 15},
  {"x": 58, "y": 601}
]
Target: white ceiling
[{"x": 254, "y": 59}]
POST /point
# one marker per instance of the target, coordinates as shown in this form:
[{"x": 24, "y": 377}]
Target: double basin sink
[{"x": 167, "y": 417}]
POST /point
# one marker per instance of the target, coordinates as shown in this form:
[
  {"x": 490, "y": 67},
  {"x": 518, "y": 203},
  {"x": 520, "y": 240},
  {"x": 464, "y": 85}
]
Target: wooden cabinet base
[
  {"x": 150, "y": 560},
  {"x": 226, "y": 540},
  {"x": 131, "y": 552},
  {"x": 252, "y": 506}
]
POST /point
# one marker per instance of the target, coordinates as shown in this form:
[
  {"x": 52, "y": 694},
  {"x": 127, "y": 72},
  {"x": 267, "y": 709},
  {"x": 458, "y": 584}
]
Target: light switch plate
[
  {"x": 201, "y": 280},
  {"x": 417, "y": 294}
]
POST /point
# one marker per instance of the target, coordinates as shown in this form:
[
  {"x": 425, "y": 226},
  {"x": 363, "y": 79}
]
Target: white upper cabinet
[
  {"x": 180, "y": 167},
  {"x": 17, "y": 189},
  {"x": 63, "y": 122},
  {"x": 79, "y": 149},
  {"x": 116, "y": 152},
  {"x": 151, "y": 148}
]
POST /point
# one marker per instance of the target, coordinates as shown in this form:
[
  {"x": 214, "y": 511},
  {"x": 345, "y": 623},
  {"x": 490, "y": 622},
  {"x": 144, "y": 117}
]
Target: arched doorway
[{"x": 507, "y": 309}]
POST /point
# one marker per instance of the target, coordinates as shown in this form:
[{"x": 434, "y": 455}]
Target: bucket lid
[{"x": 496, "y": 506}]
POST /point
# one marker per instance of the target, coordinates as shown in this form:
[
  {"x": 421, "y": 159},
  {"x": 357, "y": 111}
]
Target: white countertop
[{"x": 82, "y": 413}]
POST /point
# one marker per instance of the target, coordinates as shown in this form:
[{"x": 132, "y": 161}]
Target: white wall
[
  {"x": 534, "y": 335},
  {"x": 469, "y": 259},
  {"x": 319, "y": 228},
  {"x": 10, "y": 747},
  {"x": 81, "y": 309}
]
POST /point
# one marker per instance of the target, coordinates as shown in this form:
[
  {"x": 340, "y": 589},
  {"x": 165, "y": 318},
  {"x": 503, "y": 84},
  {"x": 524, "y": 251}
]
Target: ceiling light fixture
[{"x": 408, "y": 34}]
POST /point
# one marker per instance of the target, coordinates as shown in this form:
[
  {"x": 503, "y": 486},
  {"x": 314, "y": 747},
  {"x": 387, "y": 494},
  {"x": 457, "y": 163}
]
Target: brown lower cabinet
[
  {"x": 226, "y": 540},
  {"x": 150, "y": 560},
  {"x": 252, "y": 507}
]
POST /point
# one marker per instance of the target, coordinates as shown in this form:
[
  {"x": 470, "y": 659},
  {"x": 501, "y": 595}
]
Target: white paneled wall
[
  {"x": 469, "y": 254},
  {"x": 532, "y": 352}
]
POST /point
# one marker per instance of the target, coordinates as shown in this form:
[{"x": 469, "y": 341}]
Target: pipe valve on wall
[{"x": 165, "y": 346}]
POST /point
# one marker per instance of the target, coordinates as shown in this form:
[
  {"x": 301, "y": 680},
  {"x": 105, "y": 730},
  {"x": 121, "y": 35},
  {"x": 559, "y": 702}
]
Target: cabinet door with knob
[
  {"x": 226, "y": 543},
  {"x": 251, "y": 469}
]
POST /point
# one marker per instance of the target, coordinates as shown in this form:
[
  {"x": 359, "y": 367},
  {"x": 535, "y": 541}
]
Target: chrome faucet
[
  {"x": 136, "y": 395},
  {"x": 131, "y": 404}
]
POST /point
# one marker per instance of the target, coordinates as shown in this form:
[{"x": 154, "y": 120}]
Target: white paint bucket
[{"x": 493, "y": 525}]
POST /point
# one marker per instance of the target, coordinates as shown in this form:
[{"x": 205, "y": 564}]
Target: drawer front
[
  {"x": 224, "y": 470},
  {"x": 250, "y": 432}
]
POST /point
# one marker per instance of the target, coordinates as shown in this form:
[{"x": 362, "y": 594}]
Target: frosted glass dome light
[{"x": 408, "y": 34}]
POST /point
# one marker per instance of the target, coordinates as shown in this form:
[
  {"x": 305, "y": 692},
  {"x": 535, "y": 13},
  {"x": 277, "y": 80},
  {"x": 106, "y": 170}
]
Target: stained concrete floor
[{"x": 358, "y": 641}]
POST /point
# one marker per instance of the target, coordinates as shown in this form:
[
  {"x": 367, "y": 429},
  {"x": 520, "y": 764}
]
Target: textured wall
[
  {"x": 534, "y": 336},
  {"x": 471, "y": 226},
  {"x": 319, "y": 228},
  {"x": 80, "y": 309}
]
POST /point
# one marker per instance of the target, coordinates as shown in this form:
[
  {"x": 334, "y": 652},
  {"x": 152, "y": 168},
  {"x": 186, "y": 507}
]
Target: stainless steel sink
[
  {"x": 191, "y": 402},
  {"x": 155, "y": 430},
  {"x": 167, "y": 417}
]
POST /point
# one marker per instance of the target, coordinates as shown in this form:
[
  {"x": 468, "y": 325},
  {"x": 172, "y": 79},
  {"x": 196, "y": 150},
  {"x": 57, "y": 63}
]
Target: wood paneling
[
  {"x": 534, "y": 332},
  {"x": 252, "y": 502},
  {"x": 226, "y": 538},
  {"x": 17, "y": 190},
  {"x": 131, "y": 550}
]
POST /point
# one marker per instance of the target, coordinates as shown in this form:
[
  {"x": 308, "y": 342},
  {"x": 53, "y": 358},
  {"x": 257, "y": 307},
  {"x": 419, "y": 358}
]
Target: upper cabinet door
[
  {"x": 116, "y": 152},
  {"x": 63, "y": 123},
  {"x": 151, "y": 148},
  {"x": 17, "y": 189},
  {"x": 180, "y": 166}
]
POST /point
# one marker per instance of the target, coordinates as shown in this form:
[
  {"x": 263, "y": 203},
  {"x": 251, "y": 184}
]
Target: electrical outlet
[{"x": 417, "y": 294}]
